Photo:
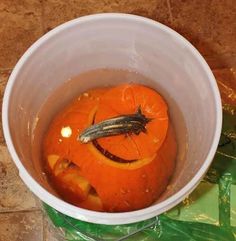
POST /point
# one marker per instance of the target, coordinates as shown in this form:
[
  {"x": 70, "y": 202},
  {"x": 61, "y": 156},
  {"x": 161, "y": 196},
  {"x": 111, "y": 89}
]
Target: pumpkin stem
[{"x": 122, "y": 124}]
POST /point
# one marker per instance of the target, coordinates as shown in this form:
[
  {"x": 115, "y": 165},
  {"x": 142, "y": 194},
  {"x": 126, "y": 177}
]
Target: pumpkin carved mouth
[
  {"x": 121, "y": 144},
  {"x": 110, "y": 155}
]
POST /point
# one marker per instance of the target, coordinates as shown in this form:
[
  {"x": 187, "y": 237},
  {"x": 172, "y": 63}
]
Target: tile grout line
[
  {"x": 170, "y": 11},
  {"x": 20, "y": 211}
]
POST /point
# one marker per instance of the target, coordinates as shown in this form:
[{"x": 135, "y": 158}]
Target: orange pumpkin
[{"x": 97, "y": 181}]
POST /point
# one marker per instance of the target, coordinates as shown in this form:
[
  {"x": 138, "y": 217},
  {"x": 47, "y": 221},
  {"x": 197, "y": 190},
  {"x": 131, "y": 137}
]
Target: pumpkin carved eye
[
  {"x": 69, "y": 181},
  {"x": 120, "y": 153}
]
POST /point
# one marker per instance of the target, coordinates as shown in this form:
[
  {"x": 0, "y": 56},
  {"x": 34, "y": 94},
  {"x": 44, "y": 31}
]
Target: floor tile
[
  {"x": 14, "y": 195},
  {"x": 20, "y": 26},
  {"x": 210, "y": 24},
  {"x": 59, "y": 11},
  {"x": 22, "y": 226},
  {"x": 221, "y": 61}
]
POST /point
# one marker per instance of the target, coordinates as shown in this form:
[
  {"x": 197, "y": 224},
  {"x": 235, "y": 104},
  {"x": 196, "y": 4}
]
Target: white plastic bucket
[{"x": 119, "y": 41}]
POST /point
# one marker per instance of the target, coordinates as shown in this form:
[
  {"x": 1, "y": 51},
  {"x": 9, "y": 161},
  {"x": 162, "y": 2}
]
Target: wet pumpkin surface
[{"x": 86, "y": 176}]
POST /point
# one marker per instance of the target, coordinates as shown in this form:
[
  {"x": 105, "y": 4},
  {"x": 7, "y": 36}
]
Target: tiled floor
[
  {"x": 21, "y": 226},
  {"x": 209, "y": 25}
]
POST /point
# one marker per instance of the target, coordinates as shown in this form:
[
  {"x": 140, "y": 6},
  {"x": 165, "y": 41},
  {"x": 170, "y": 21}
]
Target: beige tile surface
[
  {"x": 20, "y": 27},
  {"x": 21, "y": 226},
  {"x": 59, "y": 11},
  {"x": 210, "y": 24},
  {"x": 14, "y": 195}
]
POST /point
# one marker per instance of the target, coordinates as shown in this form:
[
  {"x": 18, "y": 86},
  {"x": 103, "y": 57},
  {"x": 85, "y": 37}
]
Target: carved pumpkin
[{"x": 129, "y": 154}]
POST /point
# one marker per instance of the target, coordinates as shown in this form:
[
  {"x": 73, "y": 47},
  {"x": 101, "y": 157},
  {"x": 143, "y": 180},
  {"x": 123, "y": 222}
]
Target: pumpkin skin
[
  {"x": 129, "y": 186},
  {"x": 118, "y": 186},
  {"x": 130, "y": 98}
]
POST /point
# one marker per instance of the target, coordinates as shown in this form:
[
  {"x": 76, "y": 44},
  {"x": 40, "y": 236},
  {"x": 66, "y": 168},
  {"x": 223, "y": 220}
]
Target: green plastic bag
[{"x": 208, "y": 214}]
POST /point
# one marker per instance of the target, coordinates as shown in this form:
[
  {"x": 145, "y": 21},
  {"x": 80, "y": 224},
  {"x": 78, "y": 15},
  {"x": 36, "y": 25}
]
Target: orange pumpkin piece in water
[{"x": 121, "y": 172}]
